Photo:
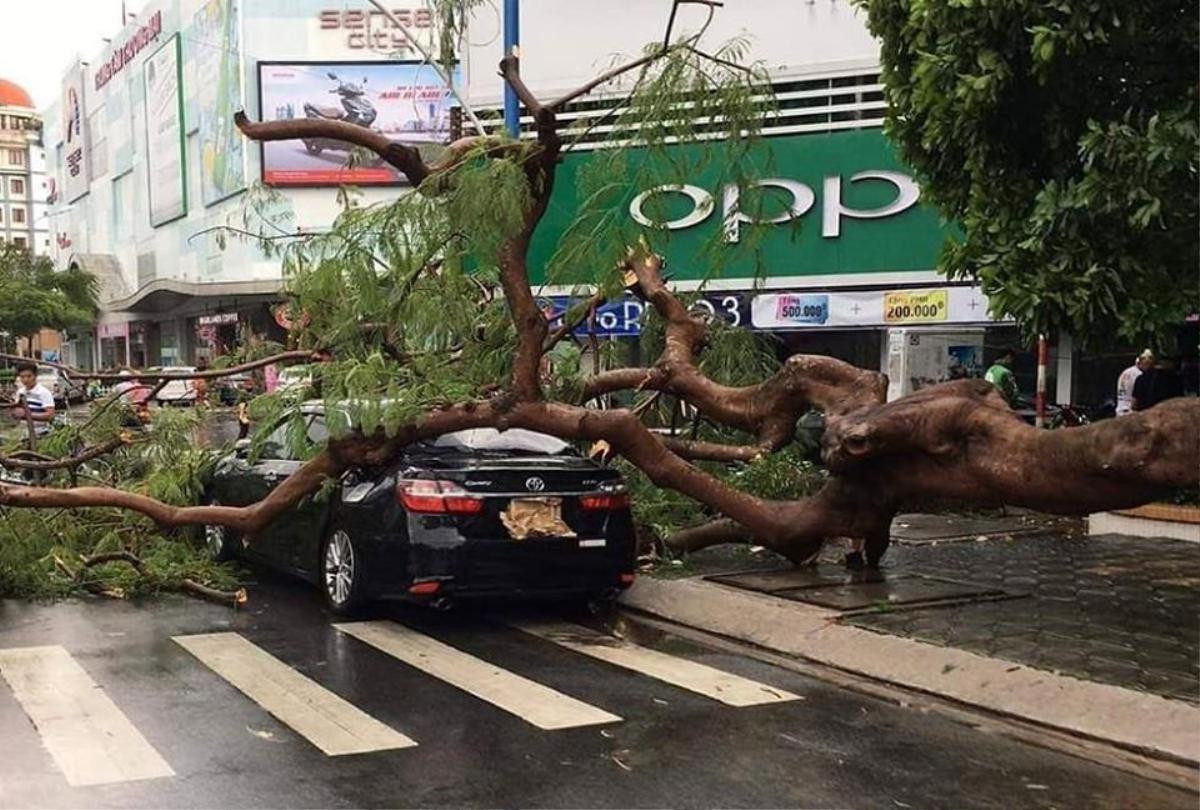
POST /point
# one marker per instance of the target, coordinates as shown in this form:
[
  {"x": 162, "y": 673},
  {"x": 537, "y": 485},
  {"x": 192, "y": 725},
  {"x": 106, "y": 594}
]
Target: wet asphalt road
[{"x": 674, "y": 748}]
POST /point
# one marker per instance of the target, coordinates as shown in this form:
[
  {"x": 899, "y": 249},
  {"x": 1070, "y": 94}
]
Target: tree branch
[
  {"x": 283, "y": 358},
  {"x": 70, "y": 462},
  {"x": 569, "y": 325},
  {"x": 694, "y": 450}
]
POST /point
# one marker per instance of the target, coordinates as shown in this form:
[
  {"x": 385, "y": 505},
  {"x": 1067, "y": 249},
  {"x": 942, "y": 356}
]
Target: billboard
[
  {"x": 74, "y": 146},
  {"x": 846, "y": 206},
  {"x": 166, "y": 170},
  {"x": 403, "y": 100},
  {"x": 214, "y": 44},
  {"x": 872, "y": 308}
]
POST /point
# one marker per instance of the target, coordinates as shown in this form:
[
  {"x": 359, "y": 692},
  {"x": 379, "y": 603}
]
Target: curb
[{"x": 1123, "y": 717}]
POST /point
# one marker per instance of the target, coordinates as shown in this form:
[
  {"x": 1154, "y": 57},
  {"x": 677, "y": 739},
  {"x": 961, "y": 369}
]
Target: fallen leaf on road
[
  {"x": 949, "y": 668},
  {"x": 1032, "y": 786},
  {"x": 606, "y": 733},
  {"x": 615, "y": 757},
  {"x": 269, "y": 736},
  {"x": 660, "y": 702}
]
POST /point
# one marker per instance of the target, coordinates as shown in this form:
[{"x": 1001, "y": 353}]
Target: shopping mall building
[{"x": 147, "y": 167}]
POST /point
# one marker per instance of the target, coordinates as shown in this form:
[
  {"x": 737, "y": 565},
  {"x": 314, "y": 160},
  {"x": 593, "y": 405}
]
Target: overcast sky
[{"x": 40, "y": 38}]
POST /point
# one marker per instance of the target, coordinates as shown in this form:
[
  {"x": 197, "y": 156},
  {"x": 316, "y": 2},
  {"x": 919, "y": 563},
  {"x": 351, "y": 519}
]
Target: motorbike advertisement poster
[{"x": 403, "y": 100}]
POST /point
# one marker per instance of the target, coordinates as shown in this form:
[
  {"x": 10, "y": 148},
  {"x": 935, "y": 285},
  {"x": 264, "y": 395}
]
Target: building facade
[
  {"x": 148, "y": 169},
  {"x": 23, "y": 187}
]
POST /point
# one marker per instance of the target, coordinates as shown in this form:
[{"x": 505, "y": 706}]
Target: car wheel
[{"x": 341, "y": 573}]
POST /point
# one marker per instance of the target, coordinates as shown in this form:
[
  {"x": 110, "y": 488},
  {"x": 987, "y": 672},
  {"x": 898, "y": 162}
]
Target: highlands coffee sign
[{"x": 124, "y": 54}]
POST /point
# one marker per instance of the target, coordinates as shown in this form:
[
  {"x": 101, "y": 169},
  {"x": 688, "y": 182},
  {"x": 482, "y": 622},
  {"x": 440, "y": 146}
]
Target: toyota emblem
[{"x": 534, "y": 484}]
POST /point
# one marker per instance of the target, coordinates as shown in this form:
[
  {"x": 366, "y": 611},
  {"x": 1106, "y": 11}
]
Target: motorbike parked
[{"x": 356, "y": 109}]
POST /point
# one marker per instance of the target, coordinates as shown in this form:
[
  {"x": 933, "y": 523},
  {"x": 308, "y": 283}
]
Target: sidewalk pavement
[{"x": 1022, "y": 615}]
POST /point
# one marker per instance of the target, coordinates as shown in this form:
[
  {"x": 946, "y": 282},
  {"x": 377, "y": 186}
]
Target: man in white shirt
[
  {"x": 37, "y": 399},
  {"x": 1128, "y": 377}
]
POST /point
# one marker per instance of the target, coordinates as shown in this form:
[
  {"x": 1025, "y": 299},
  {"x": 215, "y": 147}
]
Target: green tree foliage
[
  {"x": 403, "y": 294},
  {"x": 41, "y": 550},
  {"x": 1062, "y": 136},
  {"x": 33, "y": 296}
]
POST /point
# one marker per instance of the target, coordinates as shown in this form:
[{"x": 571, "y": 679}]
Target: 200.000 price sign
[{"x": 915, "y": 307}]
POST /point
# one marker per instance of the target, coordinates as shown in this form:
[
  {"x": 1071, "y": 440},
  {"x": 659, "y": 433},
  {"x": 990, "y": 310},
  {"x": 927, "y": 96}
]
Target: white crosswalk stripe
[
  {"x": 733, "y": 690},
  {"x": 312, "y": 711},
  {"x": 531, "y": 701},
  {"x": 91, "y": 740}
]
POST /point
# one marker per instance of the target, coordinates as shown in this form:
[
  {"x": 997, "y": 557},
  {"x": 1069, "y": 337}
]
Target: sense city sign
[
  {"x": 802, "y": 200},
  {"x": 371, "y": 28}
]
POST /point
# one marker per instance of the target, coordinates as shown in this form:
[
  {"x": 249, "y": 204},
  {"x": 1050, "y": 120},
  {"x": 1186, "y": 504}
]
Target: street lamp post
[{"x": 512, "y": 35}]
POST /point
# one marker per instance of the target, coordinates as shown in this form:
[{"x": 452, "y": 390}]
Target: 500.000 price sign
[{"x": 915, "y": 307}]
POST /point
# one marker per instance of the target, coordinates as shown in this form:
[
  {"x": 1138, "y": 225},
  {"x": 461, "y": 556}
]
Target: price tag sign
[
  {"x": 915, "y": 307},
  {"x": 802, "y": 309}
]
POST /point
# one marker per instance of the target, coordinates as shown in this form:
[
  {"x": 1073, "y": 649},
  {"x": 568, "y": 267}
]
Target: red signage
[{"x": 125, "y": 54}]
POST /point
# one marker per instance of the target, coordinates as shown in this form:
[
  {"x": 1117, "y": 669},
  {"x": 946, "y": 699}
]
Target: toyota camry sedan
[{"x": 477, "y": 513}]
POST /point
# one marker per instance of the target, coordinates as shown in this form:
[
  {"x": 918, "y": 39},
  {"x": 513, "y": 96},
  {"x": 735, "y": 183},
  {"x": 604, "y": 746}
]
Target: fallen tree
[{"x": 425, "y": 311}]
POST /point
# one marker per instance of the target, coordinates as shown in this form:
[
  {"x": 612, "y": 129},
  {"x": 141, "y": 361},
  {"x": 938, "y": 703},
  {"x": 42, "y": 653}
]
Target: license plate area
[{"x": 527, "y": 518}]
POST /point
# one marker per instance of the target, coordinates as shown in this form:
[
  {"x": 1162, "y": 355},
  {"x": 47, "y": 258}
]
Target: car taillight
[
  {"x": 437, "y": 497},
  {"x": 605, "y": 501}
]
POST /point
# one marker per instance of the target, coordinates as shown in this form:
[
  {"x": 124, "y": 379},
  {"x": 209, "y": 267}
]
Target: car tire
[
  {"x": 220, "y": 542},
  {"x": 341, "y": 573}
]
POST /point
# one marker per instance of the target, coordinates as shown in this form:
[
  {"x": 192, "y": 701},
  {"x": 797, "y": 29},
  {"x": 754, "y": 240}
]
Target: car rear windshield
[{"x": 515, "y": 440}]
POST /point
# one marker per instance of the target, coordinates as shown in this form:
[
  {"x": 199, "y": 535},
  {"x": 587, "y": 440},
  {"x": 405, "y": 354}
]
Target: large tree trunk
[{"x": 956, "y": 441}]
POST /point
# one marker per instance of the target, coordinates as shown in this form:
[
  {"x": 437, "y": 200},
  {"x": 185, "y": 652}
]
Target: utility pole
[{"x": 512, "y": 36}]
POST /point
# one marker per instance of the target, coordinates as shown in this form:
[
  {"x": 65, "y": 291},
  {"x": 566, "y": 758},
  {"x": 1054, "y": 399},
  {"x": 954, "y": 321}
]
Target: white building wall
[{"x": 564, "y": 43}]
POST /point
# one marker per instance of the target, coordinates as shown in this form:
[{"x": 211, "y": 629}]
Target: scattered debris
[
  {"x": 615, "y": 756},
  {"x": 269, "y": 736},
  {"x": 950, "y": 668}
]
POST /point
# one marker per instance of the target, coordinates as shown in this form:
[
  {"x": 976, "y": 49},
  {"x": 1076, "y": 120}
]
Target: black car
[{"x": 469, "y": 514}]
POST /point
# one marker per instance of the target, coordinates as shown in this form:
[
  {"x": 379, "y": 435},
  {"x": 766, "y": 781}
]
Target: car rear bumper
[{"x": 556, "y": 567}]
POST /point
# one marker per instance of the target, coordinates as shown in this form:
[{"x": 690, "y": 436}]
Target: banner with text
[
  {"x": 74, "y": 144},
  {"x": 213, "y": 44},
  {"x": 806, "y": 310},
  {"x": 622, "y": 318},
  {"x": 165, "y": 167}
]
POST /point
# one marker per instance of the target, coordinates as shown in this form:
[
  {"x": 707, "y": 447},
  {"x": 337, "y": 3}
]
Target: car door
[
  {"x": 304, "y": 528},
  {"x": 247, "y": 480}
]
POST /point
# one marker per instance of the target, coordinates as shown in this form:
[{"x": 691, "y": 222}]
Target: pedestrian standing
[
  {"x": 1142, "y": 363},
  {"x": 271, "y": 377},
  {"x": 1000, "y": 375},
  {"x": 200, "y": 384},
  {"x": 34, "y": 402},
  {"x": 1160, "y": 383},
  {"x": 244, "y": 395}
]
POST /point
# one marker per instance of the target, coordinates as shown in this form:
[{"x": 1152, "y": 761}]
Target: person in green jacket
[{"x": 1000, "y": 375}]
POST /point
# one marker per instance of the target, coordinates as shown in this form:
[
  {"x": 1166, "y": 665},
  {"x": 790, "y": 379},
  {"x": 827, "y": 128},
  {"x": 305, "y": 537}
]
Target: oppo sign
[{"x": 802, "y": 200}]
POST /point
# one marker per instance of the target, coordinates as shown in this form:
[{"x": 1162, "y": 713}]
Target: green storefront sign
[{"x": 835, "y": 204}]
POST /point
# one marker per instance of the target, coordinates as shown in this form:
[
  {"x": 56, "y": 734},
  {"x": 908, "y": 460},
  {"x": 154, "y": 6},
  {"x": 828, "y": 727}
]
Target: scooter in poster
[{"x": 356, "y": 109}]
